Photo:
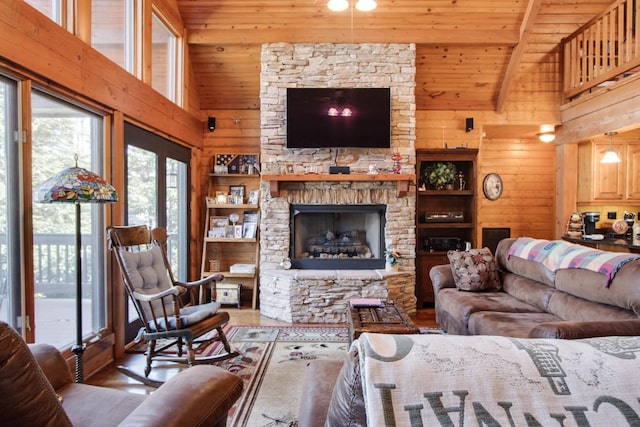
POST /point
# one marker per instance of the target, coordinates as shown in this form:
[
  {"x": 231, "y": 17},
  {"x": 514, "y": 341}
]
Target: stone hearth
[{"x": 322, "y": 295}]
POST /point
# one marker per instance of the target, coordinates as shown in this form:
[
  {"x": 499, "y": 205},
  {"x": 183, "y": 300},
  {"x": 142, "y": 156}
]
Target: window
[
  {"x": 112, "y": 30},
  {"x": 10, "y": 218},
  {"x": 59, "y": 132},
  {"x": 163, "y": 60},
  {"x": 50, "y": 8}
]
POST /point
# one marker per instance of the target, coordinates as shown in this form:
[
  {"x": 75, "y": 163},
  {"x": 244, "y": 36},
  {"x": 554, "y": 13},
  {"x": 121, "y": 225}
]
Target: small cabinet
[
  {"x": 231, "y": 239},
  {"x": 445, "y": 218},
  {"x": 609, "y": 182}
]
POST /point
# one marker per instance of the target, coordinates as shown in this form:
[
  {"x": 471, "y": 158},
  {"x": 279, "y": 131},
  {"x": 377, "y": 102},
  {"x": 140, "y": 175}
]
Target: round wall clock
[{"x": 492, "y": 186}]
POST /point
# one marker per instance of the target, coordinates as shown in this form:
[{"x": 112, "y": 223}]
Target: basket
[{"x": 214, "y": 265}]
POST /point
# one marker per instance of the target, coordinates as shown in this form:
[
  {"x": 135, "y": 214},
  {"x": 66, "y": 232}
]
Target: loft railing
[{"x": 602, "y": 51}]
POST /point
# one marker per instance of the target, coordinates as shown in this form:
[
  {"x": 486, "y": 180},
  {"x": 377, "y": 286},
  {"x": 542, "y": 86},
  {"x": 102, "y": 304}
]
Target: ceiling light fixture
[
  {"x": 361, "y": 5},
  {"x": 366, "y": 5},
  {"x": 610, "y": 156},
  {"x": 338, "y": 5},
  {"x": 547, "y": 133},
  {"x": 547, "y": 137}
]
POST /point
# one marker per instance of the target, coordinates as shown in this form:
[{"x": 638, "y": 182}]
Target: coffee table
[{"x": 385, "y": 319}]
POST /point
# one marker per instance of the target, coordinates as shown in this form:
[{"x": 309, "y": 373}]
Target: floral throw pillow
[{"x": 474, "y": 270}]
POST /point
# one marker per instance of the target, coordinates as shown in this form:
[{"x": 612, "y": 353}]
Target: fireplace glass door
[{"x": 337, "y": 236}]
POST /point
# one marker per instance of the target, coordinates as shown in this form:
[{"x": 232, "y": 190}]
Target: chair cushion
[
  {"x": 146, "y": 270},
  {"x": 474, "y": 270},
  {"x": 189, "y": 316}
]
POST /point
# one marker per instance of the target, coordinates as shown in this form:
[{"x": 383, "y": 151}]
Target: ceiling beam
[
  {"x": 509, "y": 78},
  {"x": 346, "y": 35}
]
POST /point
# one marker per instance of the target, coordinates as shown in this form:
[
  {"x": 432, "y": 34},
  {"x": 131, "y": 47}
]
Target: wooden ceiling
[{"x": 468, "y": 52}]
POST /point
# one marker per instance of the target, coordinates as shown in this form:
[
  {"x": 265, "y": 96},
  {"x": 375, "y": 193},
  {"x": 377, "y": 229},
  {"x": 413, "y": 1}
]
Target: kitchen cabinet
[
  {"x": 618, "y": 182},
  {"x": 445, "y": 218},
  {"x": 230, "y": 243}
]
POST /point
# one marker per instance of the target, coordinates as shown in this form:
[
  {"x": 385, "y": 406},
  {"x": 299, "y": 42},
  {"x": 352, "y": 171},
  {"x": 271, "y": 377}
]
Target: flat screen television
[{"x": 338, "y": 117}]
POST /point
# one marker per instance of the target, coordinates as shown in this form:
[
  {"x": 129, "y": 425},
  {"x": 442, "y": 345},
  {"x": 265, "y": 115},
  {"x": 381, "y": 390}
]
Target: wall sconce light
[
  {"x": 547, "y": 133},
  {"x": 610, "y": 156},
  {"x": 361, "y": 5}
]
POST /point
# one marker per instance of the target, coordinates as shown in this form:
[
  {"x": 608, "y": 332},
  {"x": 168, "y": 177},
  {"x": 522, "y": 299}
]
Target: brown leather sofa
[
  {"x": 37, "y": 390},
  {"x": 538, "y": 303}
]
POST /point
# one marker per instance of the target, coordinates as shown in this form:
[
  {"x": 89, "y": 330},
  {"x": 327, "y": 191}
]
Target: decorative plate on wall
[{"x": 492, "y": 186}]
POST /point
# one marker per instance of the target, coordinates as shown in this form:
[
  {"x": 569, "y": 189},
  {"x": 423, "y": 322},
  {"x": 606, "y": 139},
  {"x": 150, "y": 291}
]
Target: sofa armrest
[
  {"x": 199, "y": 396},
  {"x": 590, "y": 329},
  {"x": 52, "y": 363},
  {"x": 441, "y": 277}
]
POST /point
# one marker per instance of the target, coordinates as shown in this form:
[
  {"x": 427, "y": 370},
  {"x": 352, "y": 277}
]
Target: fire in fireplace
[{"x": 337, "y": 236}]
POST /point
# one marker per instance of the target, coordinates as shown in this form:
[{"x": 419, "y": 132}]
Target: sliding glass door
[
  {"x": 10, "y": 207},
  {"x": 157, "y": 194}
]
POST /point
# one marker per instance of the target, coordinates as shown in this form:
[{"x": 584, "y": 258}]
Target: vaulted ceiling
[{"x": 468, "y": 52}]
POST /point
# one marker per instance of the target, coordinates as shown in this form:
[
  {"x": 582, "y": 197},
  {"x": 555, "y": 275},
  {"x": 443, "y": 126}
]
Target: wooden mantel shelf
[{"x": 402, "y": 180}]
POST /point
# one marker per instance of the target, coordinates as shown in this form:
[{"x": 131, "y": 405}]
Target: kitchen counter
[{"x": 607, "y": 244}]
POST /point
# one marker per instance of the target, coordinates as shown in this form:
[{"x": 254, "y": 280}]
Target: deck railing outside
[{"x": 602, "y": 51}]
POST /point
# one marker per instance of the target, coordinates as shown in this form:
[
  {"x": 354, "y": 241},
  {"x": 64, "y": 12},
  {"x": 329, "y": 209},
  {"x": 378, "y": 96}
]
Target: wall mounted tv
[{"x": 338, "y": 117}]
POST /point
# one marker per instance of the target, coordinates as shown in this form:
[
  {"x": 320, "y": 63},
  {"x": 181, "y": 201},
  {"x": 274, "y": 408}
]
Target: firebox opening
[{"x": 337, "y": 236}]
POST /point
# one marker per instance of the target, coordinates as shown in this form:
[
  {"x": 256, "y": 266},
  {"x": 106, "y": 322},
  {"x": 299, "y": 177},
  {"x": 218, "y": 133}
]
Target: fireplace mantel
[{"x": 402, "y": 180}]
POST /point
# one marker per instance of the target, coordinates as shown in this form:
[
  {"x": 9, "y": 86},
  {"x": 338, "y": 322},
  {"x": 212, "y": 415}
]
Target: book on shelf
[
  {"x": 366, "y": 302},
  {"x": 250, "y": 216}
]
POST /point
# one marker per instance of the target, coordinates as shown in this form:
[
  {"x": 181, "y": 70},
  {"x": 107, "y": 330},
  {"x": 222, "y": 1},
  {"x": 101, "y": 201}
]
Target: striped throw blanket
[
  {"x": 546, "y": 252},
  {"x": 558, "y": 255}
]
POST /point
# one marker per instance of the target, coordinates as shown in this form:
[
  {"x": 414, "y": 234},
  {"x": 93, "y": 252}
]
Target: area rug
[{"x": 271, "y": 364}]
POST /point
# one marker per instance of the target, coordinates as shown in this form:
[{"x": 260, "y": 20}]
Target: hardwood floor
[{"x": 111, "y": 377}]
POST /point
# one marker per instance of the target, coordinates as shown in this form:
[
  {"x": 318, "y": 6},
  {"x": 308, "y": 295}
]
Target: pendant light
[{"x": 610, "y": 156}]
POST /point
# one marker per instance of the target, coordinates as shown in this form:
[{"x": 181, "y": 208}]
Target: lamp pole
[{"x": 78, "y": 349}]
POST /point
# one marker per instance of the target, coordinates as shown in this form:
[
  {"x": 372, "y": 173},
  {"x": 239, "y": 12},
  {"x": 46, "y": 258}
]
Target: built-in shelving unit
[
  {"x": 220, "y": 252},
  {"x": 444, "y": 218}
]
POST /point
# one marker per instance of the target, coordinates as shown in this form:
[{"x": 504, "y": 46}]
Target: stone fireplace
[{"x": 306, "y": 292}]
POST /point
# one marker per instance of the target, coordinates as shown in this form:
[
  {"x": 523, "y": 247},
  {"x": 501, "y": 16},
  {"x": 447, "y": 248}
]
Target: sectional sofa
[{"x": 550, "y": 289}]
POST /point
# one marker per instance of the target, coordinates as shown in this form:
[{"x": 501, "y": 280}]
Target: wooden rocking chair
[{"x": 174, "y": 312}]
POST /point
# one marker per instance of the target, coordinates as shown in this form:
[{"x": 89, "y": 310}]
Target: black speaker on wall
[
  {"x": 211, "y": 124},
  {"x": 468, "y": 124}
]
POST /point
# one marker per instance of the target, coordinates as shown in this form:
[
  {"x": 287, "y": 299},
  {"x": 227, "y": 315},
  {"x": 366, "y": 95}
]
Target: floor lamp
[{"x": 76, "y": 185}]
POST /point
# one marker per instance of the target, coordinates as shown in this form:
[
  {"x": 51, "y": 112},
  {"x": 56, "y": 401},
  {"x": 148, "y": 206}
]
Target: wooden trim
[
  {"x": 509, "y": 78},
  {"x": 343, "y": 35},
  {"x": 402, "y": 180}
]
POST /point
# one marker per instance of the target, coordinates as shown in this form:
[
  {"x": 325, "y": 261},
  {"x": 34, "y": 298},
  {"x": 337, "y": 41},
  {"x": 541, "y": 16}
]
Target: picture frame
[
  {"x": 237, "y": 231},
  {"x": 230, "y": 231},
  {"x": 236, "y": 163},
  {"x": 249, "y": 230},
  {"x": 236, "y": 193},
  {"x": 221, "y": 198},
  {"x": 290, "y": 169},
  {"x": 217, "y": 232},
  {"x": 218, "y": 221},
  {"x": 254, "y": 196}
]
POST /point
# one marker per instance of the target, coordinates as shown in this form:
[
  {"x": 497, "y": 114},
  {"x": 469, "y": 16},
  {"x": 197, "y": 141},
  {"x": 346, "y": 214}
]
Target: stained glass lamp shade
[{"x": 76, "y": 185}]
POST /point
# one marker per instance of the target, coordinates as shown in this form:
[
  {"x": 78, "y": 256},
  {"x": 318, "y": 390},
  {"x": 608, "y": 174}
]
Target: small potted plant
[
  {"x": 439, "y": 175},
  {"x": 391, "y": 257}
]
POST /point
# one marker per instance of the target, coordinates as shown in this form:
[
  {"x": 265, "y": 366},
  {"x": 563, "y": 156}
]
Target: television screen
[{"x": 338, "y": 117}]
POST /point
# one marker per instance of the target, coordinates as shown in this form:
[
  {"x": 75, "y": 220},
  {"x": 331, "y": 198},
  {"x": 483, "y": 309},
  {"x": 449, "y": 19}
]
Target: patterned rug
[{"x": 272, "y": 362}]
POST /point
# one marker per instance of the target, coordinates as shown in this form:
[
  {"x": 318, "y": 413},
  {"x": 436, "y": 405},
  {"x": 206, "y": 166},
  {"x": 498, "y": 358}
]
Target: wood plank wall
[
  {"x": 527, "y": 205},
  {"x": 527, "y": 166}
]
